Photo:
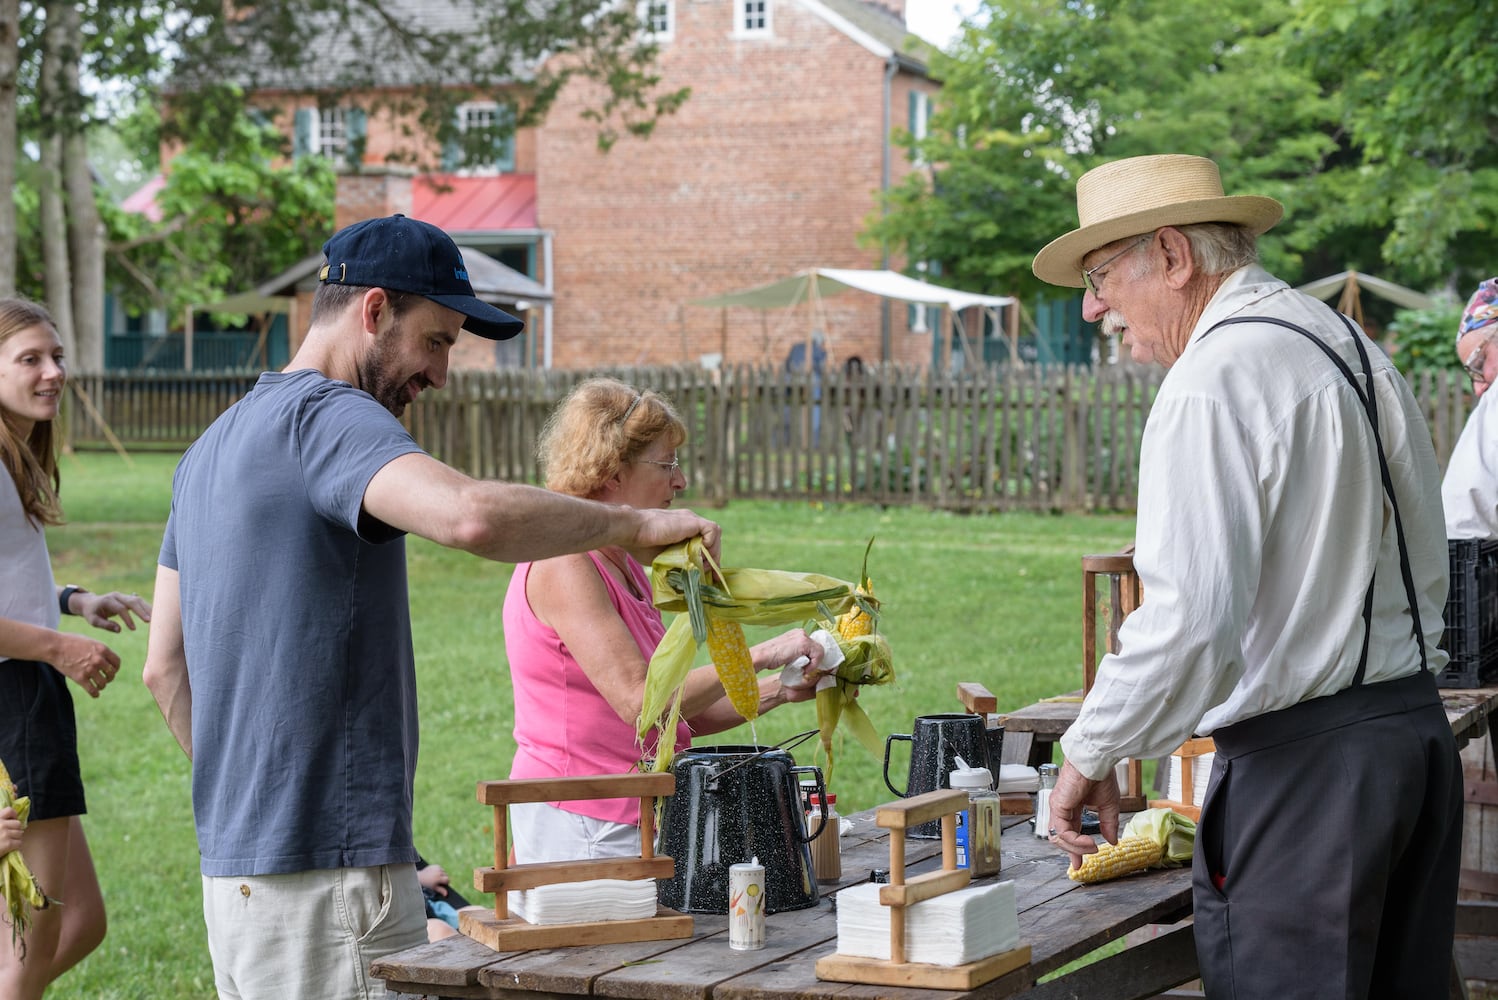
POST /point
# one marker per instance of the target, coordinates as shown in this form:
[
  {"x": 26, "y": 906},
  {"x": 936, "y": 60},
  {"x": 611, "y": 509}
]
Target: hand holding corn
[
  {"x": 18, "y": 888},
  {"x": 1154, "y": 838}
]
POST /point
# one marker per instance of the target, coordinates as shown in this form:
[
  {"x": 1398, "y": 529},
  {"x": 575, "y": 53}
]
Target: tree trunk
[
  {"x": 10, "y": 34},
  {"x": 52, "y": 99},
  {"x": 85, "y": 229},
  {"x": 56, "y": 268}
]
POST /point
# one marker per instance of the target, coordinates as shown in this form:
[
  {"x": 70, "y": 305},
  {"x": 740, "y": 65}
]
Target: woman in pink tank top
[{"x": 580, "y": 630}]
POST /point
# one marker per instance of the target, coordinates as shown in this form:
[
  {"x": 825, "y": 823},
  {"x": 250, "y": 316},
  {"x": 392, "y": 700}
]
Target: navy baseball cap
[{"x": 408, "y": 255}]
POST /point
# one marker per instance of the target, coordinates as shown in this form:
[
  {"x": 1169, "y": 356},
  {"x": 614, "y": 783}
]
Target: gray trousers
[{"x": 1329, "y": 850}]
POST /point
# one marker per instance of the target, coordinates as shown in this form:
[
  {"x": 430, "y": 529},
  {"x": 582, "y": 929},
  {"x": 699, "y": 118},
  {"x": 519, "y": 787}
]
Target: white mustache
[{"x": 1113, "y": 323}]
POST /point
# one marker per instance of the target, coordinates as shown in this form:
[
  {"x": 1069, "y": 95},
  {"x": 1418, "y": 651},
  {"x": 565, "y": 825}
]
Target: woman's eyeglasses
[
  {"x": 1475, "y": 363},
  {"x": 672, "y": 467}
]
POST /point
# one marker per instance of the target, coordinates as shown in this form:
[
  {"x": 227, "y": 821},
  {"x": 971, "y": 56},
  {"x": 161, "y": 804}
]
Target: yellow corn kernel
[
  {"x": 1131, "y": 854},
  {"x": 855, "y": 621},
  {"x": 730, "y": 653}
]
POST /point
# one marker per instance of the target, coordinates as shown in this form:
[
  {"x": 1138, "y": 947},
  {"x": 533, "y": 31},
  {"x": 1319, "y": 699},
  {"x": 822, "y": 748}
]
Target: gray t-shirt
[{"x": 297, "y": 631}]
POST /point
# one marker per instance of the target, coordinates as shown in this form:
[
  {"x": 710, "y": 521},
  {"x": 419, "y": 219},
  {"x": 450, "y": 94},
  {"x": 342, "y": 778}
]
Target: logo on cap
[{"x": 460, "y": 274}]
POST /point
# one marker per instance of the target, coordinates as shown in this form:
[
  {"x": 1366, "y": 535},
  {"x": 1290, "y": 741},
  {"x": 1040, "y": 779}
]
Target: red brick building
[{"x": 772, "y": 166}]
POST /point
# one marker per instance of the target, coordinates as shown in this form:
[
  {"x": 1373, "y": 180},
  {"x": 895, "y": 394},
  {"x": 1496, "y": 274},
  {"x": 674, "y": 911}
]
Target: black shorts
[{"x": 39, "y": 738}]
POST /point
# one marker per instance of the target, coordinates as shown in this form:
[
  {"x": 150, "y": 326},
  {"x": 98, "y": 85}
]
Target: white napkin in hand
[{"x": 794, "y": 674}]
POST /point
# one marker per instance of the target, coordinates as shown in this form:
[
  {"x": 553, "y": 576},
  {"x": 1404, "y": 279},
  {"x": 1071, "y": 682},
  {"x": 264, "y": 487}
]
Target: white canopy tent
[
  {"x": 816, "y": 283},
  {"x": 1348, "y": 286}
]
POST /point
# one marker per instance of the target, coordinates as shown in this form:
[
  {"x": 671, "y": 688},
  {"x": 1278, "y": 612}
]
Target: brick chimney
[{"x": 373, "y": 192}]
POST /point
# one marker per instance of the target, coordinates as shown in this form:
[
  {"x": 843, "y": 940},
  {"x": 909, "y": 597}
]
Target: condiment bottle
[
  {"x": 826, "y": 847},
  {"x": 1048, "y": 775},
  {"x": 978, "y": 824}
]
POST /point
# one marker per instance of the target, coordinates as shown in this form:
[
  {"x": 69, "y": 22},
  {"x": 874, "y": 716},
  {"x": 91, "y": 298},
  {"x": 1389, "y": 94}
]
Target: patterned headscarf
[{"x": 1482, "y": 309}]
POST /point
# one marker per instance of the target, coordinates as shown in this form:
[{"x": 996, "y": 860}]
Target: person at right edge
[
  {"x": 1292, "y": 553},
  {"x": 1469, "y": 493}
]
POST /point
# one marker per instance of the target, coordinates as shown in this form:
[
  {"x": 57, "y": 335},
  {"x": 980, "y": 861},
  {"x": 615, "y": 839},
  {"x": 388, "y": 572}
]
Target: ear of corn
[
  {"x": 1130, "y": 854},
  {"x": 730, "y": 653},
  {"x": 862, "y": 618},
  {"x": 685, "y": 580},
  {"x": 19, "y": 890}
]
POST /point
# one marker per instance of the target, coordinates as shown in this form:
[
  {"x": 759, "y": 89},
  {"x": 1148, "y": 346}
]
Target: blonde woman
[
  {"x": 580, "y": 630},
  {"x": 38, "y": 735}
]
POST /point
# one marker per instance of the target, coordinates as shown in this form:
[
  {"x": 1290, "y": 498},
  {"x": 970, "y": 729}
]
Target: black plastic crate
[{"x": 1471, "y": 637}]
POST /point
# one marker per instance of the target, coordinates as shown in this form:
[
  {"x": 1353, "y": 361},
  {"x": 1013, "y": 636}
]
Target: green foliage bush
[{"x": 1425, "y": 339}]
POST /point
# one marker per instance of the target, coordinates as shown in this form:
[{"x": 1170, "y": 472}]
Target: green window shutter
[
  {"x": 301, "y": 138},
  {"x": 915, "y": 111},
  {"x": 452, "y": 147},
  {"x": 504, "y": 152},
  {"x": 356, "y": 131}
]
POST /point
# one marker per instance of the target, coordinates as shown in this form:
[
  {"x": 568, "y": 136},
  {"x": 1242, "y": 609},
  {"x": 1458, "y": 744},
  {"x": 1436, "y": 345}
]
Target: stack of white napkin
[
  {"x": 1017, "y": 778},
  {"x": 586, "y": 902},
  {"x": 1201, "y": 773},
  {"x": 951, "y": 929}
]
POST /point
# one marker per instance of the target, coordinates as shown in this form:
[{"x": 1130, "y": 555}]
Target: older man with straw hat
[{"x": 1292, "y": 553}]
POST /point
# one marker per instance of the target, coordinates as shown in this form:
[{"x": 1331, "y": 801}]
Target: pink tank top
[{"x": 563, "y": 726}]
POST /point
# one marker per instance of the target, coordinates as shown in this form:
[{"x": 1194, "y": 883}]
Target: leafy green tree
[
  {"x": 423, "y": 58},
  {"x": 1288, "y": 98},
  {"x": 231, "y": 216},
  {"x": 1036, "y": 93},
  {"x": 234, "y": 210},
  {"x": 1414, "y": 83}
]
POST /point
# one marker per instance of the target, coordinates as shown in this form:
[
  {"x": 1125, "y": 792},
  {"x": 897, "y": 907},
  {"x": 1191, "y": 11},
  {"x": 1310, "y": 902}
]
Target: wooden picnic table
[{"x": 1059, "y": 919}]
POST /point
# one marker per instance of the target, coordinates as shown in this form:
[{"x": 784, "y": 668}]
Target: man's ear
[
  {"x": 1180, "y": 267},
  {"x": 374, "y": 307}
]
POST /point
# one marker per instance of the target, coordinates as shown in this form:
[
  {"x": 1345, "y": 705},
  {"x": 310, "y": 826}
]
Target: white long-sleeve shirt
[
  {"x": 1261, "y": 516},
  {"x": 1469, "y": 492}
]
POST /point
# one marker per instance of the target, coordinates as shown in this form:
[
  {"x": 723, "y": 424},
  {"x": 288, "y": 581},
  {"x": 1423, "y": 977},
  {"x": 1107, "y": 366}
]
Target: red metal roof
[{"x": 475, "y": 204}]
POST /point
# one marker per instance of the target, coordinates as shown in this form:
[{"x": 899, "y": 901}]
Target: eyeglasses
[
  {"x": 672, "y": 467},
  {"x": 1475, "y": 363},
  {"x": 1087, "y": 275}
]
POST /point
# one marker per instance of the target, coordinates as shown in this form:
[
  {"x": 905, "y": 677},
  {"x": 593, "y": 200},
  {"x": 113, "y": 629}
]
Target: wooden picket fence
[{"x": 992, "y": 439}]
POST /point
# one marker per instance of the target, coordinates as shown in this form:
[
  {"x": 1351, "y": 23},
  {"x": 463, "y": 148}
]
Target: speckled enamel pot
[
  {"x": 733, "y": 803},
  {"x": 936, "y": 741}
]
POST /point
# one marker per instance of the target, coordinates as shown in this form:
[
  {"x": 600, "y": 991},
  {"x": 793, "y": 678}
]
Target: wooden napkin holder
[
  {"x": 897, "y": 817},
  {"x": 503, "y": 932},
  {"x": 1182, "y": 758},
  {"x": 1125, "y": 594}
]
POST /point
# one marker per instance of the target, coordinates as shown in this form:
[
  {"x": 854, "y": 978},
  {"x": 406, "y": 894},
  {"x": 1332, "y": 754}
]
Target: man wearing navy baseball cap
[
  {"x": 280, "y": 651},
  {"x": 408, "y": 255}
]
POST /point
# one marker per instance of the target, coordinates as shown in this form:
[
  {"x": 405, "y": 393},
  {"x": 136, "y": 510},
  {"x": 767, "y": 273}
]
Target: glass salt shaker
[{"x": 1048, "y": 775}]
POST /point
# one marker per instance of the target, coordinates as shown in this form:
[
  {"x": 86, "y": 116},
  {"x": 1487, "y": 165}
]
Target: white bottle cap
[{"x": 970, "y": 777}]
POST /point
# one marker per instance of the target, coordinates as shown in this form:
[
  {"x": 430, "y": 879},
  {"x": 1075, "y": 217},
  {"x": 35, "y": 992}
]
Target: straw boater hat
[{"x": 1139, "y": 195}]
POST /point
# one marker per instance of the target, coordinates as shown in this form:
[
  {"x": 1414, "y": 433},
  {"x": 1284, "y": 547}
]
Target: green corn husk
[
  {"x": 1166, "y": 827},
  {"x": 866, "y": 660},
  {"x": 684, "y": 578},
  {"x": 19, "y": 891}
]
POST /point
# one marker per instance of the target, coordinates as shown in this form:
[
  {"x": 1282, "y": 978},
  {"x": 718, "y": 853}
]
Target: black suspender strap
[{"x": 1369, "y": 400}]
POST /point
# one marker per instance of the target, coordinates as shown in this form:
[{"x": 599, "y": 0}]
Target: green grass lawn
[{"x": 994, "y": 599}]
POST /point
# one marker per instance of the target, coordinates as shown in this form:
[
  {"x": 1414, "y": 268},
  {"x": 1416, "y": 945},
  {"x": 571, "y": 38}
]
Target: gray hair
[{"x": 1221, "y": 247}]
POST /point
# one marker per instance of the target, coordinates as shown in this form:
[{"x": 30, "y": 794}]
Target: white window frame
[
  {"x": 921, "y": 127},
  {"x": 653, "y": 11},
  {"x": 745, "y": 11},
  {"x": 329, "y": 137},
  {"x": 465, "y": 111}
]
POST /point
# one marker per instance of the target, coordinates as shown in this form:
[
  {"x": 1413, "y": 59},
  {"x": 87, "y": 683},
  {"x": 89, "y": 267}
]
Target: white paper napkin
[{"x": 951, "y": 929}]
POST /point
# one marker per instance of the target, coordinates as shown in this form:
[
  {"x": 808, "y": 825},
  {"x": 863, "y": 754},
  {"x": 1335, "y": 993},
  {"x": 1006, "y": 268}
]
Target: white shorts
[
  {"x": 310, "y": 935},
  {"x": 542, "y": 832}
]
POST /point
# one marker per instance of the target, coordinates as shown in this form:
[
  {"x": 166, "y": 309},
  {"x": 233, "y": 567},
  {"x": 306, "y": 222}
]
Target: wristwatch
[{"x": 67, "y": 595}]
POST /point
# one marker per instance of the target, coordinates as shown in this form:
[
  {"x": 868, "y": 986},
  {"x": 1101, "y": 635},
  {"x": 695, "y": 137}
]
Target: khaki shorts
[{"x": 310, "y": 935}]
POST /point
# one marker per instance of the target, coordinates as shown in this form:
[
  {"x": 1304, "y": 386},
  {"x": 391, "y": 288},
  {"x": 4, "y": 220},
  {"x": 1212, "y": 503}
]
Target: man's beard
[{"x": 377, "y": 372}]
